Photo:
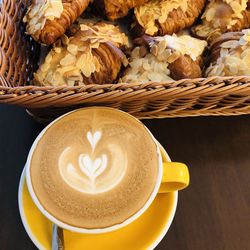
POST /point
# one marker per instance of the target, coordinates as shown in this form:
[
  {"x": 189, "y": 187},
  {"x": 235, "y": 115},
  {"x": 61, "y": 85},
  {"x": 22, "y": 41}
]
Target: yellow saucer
[{"x": 144, "y": 233}]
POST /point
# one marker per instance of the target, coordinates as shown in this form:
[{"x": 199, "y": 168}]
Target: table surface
[{"x": 213, "y": 213}]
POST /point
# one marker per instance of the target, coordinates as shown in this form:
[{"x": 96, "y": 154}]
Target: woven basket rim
[{"x": 214, "y": 80}]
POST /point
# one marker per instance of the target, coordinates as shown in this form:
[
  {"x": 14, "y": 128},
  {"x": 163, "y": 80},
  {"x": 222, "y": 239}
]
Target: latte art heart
[
  {"x": 92, "y": 168},
  {"x": 94, "y": 138},
  {"x": 83, "y": 175}
]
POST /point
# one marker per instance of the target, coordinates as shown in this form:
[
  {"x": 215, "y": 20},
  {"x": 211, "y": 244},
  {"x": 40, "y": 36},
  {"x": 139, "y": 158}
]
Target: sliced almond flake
[
  {"x": 80, "y": 61},
  {"x": 57, "y": 76},
  {"x": 65, "y": 39},
  {"x": 89, "y": 67},
  {"x": 229, "y": 44},
  {"x": 153, "y": 76},
  {"x": 58, "y": 50},
  {"x": 210, "y": 14},
  {"x": 165, "y": 55},
  {"x": 84, "y": 27},
  {"x": 43, "y": 23},
  {"x": 245, "y": 55},
  {"x": 231, "y": 59},
  {"x": 135, "y": 52},
  {"x": 242, "y": 41},
  {"x": 48, "y": 58},
  {"x": 72, "y": 48},
  {"x": 73, "y": 74},
  {"x": 224, "y": 52},
  {"x": 151, "y": 31},
  {"x": 124, "y": 61},
  {"x": 37, "y": 26},
  {"x": 95, "y": 45},
  {"x": 146, "y": 65},
  {"x": 83, "y": 48},
  {"x": 45, "y": 67},
  {"x": 68, "y": 60},
  {"x": 246, "y": 37},
  {"x": 246, "y": 32},
  {"x": 173, "y": 57},
  {"x": 211, "y": 70},
  {"x": 220, "y": 68},
  {"x": 86, "y": 70},
  {"x": 233, "y": 68},
  {"x": 38, "y": 77},
  {"x": 33, "y": 22},
  {"x": 154, "y": 50},
  {"x": 70, "y": 83},
  {"x": 162, "y": 46},
  {"x": 65, "y": 69}
]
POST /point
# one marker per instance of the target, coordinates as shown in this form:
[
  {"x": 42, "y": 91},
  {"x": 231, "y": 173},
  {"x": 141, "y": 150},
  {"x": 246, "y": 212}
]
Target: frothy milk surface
[{"x": 94, "y": 168}]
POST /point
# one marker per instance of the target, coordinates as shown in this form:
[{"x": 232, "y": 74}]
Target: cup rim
[{"x": 95, "y": 230}]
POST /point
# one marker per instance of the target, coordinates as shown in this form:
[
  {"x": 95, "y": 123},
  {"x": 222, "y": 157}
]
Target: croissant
[
  {"x": 230, "y": 55},
  {"x": 48, "y": 20},
  {"x": 161, "y": 17},
  {"x": 91, "y": 56},
  {"x": 222, "y": 16},
  {"x": 164, "y": 58},
  {"x": 116, "y": 9}
]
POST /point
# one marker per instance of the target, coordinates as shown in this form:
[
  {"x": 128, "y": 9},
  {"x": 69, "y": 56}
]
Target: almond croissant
[
  {"x": 116, "y": 9},
  {"x": 230, "y": 55},
  {"x": 47, "y": 20},
  {"x": 222, "y": 16},
  {"x": 161, "y": 17},
  {"x": 91, "y": 56},
  {"x": 164, "y": 58}
]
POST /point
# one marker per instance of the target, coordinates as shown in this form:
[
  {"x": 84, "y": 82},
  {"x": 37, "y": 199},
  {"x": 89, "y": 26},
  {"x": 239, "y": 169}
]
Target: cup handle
[{"x": 175, "y": 177}]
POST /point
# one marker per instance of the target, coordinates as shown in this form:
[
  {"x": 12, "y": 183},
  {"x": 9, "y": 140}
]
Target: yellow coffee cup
[
  {"x": 175, "y": 177},
  {"x": 171, "y": 176}
]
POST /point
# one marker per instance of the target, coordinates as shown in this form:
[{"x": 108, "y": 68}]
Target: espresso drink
[{"x": 94, "y": 168}]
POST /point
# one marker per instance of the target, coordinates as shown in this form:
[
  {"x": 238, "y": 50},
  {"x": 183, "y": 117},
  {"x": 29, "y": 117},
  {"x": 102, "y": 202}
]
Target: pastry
[
  {"x": 116, "y": 9},
  {"x": 47, "y": 20},
  {"x": 92, "y": 56},
  {"x": 165, "y": 58},
  {"x": 230, "y": 55},
  {"x": 222, "y": 16},
  {"x": 161, "y": 17}
]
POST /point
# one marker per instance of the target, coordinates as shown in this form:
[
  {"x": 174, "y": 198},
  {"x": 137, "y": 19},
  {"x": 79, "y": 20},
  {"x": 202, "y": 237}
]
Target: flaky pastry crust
[
  {"x": 230, "y": 55},
  {"x": 116, "y": 9},
  {"x": 161, "y": 17},
  {"x": 165, "y": 58},
  {"x": 48, "y": 20},
  {"x": 91, "y": 56},
  {"x": 223, "y": 16}
]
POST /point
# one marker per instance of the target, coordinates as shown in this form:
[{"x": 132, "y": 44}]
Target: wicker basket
[{"x": 18, "y": 59}]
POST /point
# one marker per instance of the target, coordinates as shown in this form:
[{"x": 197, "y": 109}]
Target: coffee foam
[
  {"x": 94, "y": 168},
  {"x": 96, "y": 171}
]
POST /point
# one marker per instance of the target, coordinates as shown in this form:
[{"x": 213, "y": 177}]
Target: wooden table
[{"x": 213, "y": 213}]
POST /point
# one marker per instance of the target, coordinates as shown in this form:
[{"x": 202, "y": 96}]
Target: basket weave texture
[{"x": 195, "y": 97}]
